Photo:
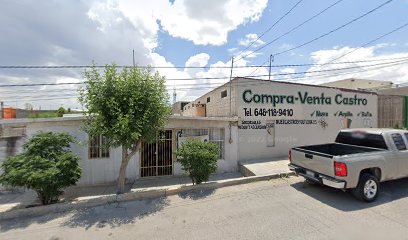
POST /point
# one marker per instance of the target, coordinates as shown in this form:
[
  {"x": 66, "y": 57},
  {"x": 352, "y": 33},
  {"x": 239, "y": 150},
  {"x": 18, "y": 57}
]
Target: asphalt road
[{"x": 278, "y": 209}]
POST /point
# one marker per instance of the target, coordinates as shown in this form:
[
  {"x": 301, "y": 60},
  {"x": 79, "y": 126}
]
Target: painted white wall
[
  {"x": 253, "y": 142},
  {"x": 95, "y": 170},
  {"x": 105, "y": 170},
  {"x": 230, "y": 162}
]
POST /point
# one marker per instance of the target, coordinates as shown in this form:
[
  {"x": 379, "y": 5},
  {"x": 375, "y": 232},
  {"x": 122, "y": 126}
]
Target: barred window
[
  {"x": 98, "y": 147},
  {"x": 215, "y": 135}
]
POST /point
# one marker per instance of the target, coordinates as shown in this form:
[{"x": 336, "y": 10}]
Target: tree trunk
[{"x": 126, "y": 156}]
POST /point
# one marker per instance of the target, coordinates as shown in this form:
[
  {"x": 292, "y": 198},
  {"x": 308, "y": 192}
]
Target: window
[
  {"x": 224, "y": 94},
  {"x": 208, "y": 99},
  {"x": 362, "y": 139},
  {"x": 406, "y": 135},
  {"x": 215, "y": 135},
  {"x": 98, "y": 147},
  {"x": 398, "y": 141}
]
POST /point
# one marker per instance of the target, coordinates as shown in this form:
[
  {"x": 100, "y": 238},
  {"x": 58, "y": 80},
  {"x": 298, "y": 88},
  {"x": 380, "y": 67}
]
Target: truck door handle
[{"x": 310, "y": 156}]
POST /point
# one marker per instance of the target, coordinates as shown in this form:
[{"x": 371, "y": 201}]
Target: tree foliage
[
  {"x": 46, "y": 166},
  {"x": 198, "y": 159},
  {"x": 61, "y": 111},
  {"x": 127, "y": 107}
]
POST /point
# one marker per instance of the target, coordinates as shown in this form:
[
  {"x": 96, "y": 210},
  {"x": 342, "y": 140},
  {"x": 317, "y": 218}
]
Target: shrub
[
  {"x": 198, "y": 159},
  {"x": 46, "y": 166},
  {"x": 61, "y": 111}
]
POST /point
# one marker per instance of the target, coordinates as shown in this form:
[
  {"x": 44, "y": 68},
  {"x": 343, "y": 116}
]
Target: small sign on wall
[{"x": 270, "y": 133}]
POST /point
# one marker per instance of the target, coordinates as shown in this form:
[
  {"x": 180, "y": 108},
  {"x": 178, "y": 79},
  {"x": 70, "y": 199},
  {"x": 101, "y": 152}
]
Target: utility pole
[
  {"x": 271, "y": 59},
  {"x": 230, "y": 97},
  {"x": 230, "y": 85},
  {"x": 2, "y": 106},
  {"x": 133, "y": 53}
]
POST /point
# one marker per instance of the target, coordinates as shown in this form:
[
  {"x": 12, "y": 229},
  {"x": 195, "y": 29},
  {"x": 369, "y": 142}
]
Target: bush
[
  {"x": 43, "y": 115},
  {"x": 198, "y": 159},
  {"x": 46, "y": 166},
  {"x": 61, "y": 111}
]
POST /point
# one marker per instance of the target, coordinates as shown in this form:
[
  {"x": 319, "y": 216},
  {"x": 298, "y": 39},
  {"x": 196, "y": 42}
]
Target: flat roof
[
  {"x": 236, "y": 79},
  {"x": 308, "y": 85},
  {"x": 81, "y": 118}
]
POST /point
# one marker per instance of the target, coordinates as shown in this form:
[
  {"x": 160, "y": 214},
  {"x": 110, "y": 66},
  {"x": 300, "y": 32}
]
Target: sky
[{"x": 331, "y": 40}]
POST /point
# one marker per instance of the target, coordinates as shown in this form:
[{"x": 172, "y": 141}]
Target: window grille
[
  {"x": 98, "y": 147},
  {"x": 215, "y": 135}
]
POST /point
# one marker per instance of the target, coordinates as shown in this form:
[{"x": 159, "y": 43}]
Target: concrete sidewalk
[
  {"x": 264, "y": 167},
  {"x": 20, "y": 199},
  {"x": 87, "y": 197}
]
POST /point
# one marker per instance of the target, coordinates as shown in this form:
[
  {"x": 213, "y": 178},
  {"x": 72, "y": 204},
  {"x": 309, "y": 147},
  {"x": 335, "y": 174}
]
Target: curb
[{"x": 134, "y": 195}]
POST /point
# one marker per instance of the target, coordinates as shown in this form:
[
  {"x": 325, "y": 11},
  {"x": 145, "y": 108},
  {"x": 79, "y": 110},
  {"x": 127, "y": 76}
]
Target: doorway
[{"x": 157, "y": 158}]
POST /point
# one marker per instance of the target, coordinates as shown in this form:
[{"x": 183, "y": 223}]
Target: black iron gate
[{"x": 157, "y": 158}]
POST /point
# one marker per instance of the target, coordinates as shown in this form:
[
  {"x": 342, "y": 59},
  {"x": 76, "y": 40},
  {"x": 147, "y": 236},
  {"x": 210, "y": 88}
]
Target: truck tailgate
[{"x": 317, "y": 162}]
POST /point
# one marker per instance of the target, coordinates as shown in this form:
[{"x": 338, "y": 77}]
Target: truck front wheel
[{"x": 367, "y": 188}]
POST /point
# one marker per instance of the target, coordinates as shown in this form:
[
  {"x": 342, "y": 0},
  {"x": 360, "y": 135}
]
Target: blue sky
[
  {"x": 191, "y": 33},
  {"x": 355, "y": 35}
]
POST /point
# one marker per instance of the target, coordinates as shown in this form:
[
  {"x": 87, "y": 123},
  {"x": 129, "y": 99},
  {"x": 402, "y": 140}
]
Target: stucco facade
[
  {"x": 105, "y": 170},
  {"x": 275, "y": 116}
]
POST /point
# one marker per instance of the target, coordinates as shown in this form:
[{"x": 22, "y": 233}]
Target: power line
[
  {"x": 241, "y": 83},
  {"x": 118, "y": 66},
  {"x": 270, "y": 28},
  {"x": 206, "y": 78},
  {"x": 291, "y": 30},
  {"x": 336, "y": 29},
  {"x": 369, "y": 42},
  {"x": 168, "y": 67}
]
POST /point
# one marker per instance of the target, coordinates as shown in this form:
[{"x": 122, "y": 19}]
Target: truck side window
[{"x": 398, "y": 141}]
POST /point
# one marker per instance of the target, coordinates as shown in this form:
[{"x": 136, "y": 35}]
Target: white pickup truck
[{"x": 358, "y": 160}]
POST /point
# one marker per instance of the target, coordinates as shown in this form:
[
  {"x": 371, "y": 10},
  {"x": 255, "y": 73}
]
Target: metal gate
[{"x": 157, "y": 158}]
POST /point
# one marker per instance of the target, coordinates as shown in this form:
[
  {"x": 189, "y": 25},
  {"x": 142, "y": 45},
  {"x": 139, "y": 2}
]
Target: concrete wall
[
  {"x": 282, "y": 125},
  {"x": 218, "y": 106},
  {"x": 105, "y": 170},
  {"x": 391, "y": 113},
  {"x": 177, "y": 108},
  {"x": 356, "y": 84},
  {"x": 195, "y": 110}
]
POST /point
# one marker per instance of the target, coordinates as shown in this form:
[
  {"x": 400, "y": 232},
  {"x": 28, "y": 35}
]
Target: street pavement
[{"x": 277, "y": 209}]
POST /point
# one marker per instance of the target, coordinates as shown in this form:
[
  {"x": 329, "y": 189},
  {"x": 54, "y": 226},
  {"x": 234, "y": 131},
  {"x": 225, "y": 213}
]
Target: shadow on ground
[
  {"x": 115, "y": 214},
  {"x": 345, "y": 201},
  {"x": 111, "y": 215},
  {"x": 197, "y": 194}
]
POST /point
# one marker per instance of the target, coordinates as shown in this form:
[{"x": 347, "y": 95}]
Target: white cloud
[
  {"x": 251, "y": 40},
  {"x": 202, "y": 22},
  {"x": 288, "y": 70},
  {"x": 395, "y": 72},
  {"x": 106, "y": 32}
]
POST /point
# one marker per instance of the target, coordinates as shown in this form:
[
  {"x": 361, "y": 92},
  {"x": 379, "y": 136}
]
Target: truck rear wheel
[{"x": 367, "y": 188}]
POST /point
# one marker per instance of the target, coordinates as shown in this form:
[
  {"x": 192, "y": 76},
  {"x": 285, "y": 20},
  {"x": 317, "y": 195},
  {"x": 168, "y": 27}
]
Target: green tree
[
  {"x": 198, "y": 159},
  {"x": 61, "y": 111},
  {"x": 127, "y": 107},
  {"x": 46, "y": 166}
]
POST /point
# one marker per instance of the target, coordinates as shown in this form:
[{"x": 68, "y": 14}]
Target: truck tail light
[
  {"x": 340, "y": 169},
  {"x": 290, "y": 155}
]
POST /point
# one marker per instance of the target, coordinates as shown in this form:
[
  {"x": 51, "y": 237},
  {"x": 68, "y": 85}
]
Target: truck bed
[{"x": 335, "y": 149}]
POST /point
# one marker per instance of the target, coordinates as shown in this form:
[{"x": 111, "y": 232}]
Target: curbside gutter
[{"x": 132, "y": 196}]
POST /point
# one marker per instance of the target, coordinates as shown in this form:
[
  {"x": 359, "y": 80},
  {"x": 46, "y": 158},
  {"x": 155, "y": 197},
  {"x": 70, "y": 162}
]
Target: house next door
[{"x": 157, "y": 158}]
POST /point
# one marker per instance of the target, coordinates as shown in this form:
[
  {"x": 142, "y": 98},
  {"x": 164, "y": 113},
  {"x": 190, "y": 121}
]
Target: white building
[
  {"x": 249, "y": 119},
  {"x": 101, "y": 166},
  {"x": 275, "y": 116},
  {"x": 360, "y": 84}
]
